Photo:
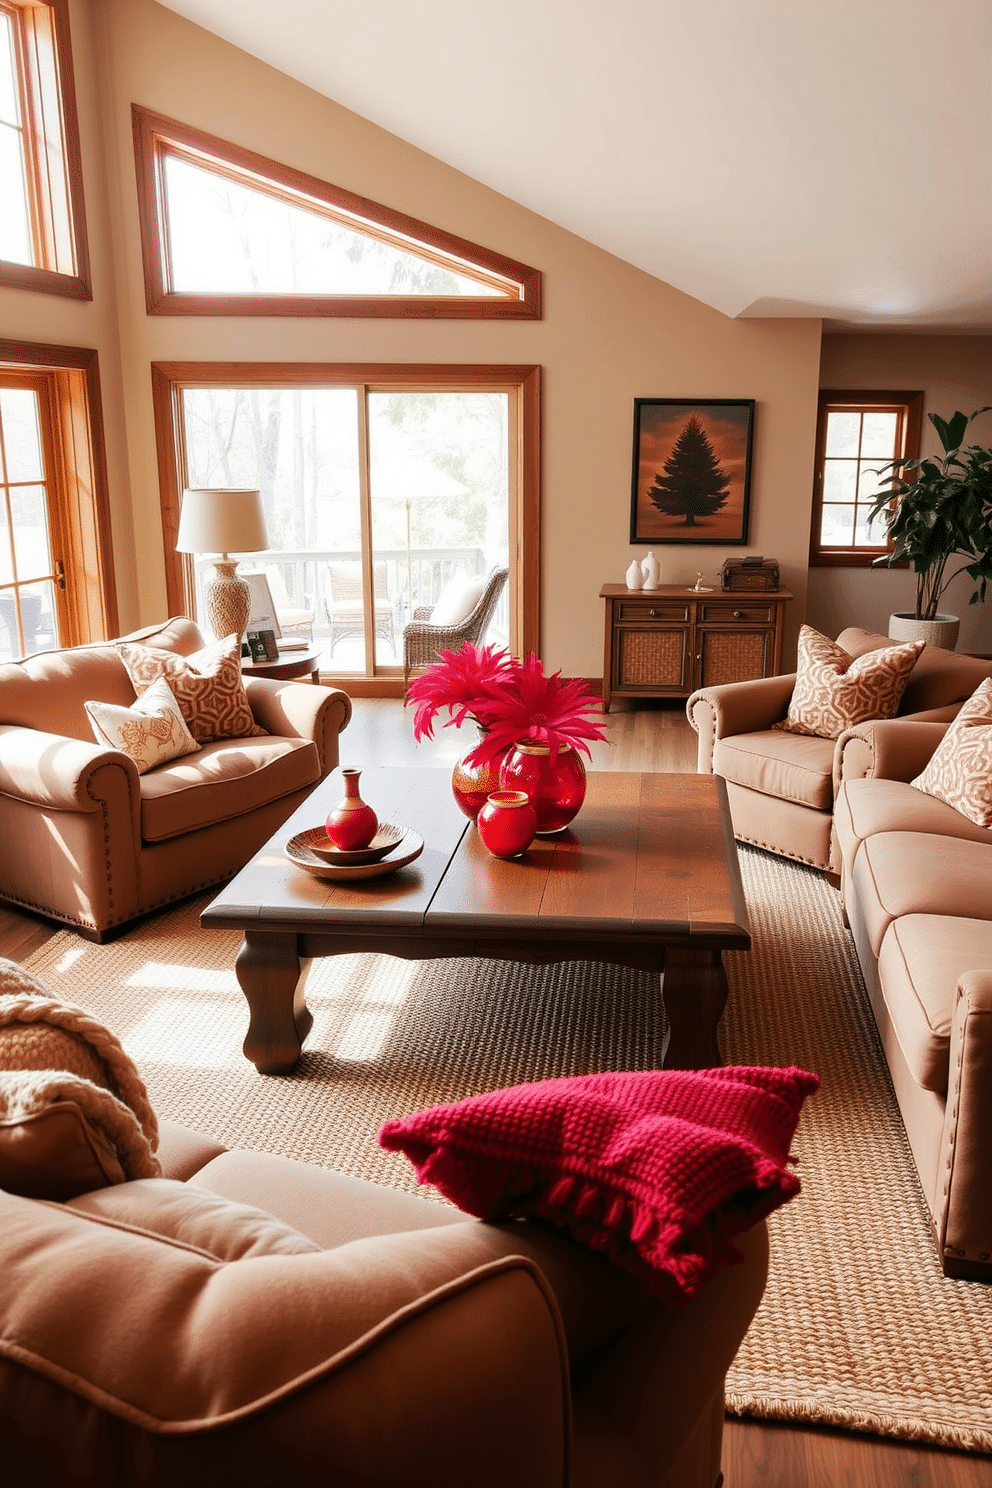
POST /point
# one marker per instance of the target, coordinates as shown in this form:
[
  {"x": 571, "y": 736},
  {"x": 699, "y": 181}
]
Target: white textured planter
[{"x": 941, "y": 632}]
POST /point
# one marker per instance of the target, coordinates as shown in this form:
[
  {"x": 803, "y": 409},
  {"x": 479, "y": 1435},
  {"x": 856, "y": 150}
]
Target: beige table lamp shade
[{"x": 224, "y": 522}]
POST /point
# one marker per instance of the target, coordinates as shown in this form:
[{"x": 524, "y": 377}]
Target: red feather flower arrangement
[{"x": 513, "y": 702}]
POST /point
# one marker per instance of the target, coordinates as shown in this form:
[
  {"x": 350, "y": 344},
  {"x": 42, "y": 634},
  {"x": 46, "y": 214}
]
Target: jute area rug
[{"x": 858, "y": 1327}]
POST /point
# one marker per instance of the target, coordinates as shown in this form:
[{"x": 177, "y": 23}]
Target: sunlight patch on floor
[
  {"x": 190, "y": 978},
  {"x": 365, "y": 1036},
  {"x": 367, "y": 1031},
  {"x": 178, "y": 1030},
  {"x": 68, "y": 961}
]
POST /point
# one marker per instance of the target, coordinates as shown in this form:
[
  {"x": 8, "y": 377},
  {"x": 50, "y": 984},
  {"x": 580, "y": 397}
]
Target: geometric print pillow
[
  {"x": 960, "y": 769},
  {"x": 834, "y": 690},
  {"x": 207, "y": 685},
  {"x": 151, "y": 732}
]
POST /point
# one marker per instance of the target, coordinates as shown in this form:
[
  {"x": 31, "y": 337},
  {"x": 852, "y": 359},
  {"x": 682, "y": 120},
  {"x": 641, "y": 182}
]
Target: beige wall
[
  {"x": 953, "y": 372},
  {"x": 609, "y": 334}
]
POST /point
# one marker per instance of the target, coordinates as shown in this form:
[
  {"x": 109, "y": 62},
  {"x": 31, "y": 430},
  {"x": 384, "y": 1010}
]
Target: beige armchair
[
  {"x": 249, "y": 1319},
  {"x": 782, "y": 786},
  {"x": 422, "y": 641},
  {"x": 97, "y": 843}
]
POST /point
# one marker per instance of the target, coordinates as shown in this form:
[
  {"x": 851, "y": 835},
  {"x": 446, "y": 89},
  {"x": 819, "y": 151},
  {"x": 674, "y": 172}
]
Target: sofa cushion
[
  {"x": 872, "y": 805},
  {"x": 74, "y": 1112},
  {"x": 130, "y": 1355},
  {"x": 658, "y": 1169},
  {"x": 222, "y": 781},
  {"x": 900, "y": 873},
  {"x": 921, "y": 958},
  {"x": 207, "y": 685},
  {"x": 960, "y": 769},
  {"x": 195, "y": 1217},
  {"x": 835, "y": 690},
  {"x": 940, "y": 681},
  {"x": 790, "y": 767},
  {"x": 150, "y": 732},
  {"x": 49, "y": 691}
]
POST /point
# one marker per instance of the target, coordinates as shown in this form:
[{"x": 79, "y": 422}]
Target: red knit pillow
[{"x": 660, "y": 1169}]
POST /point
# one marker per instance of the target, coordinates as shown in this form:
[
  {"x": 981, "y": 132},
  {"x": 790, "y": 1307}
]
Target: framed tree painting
[{"x": 691, "y": 480}]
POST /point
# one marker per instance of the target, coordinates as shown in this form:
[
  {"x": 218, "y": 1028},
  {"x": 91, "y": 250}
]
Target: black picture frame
[
  {"x": 690, "y": 453},
  {"x": 262, "y": 645}
]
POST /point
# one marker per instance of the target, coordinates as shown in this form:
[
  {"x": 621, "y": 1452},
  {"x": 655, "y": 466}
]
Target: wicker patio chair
[
  {"x": 422, "y": 641},
  {"x": 343, "y": 604}
]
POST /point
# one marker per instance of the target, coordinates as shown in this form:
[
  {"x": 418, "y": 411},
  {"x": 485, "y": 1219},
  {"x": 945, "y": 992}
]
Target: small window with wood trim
[
  {"x": 42, "y": 229},
  {"x": 228, "y": 232},
  {"x": 857, "y": 434}
]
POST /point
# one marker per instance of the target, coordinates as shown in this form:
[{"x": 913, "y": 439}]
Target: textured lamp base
[{"x": 227, "y": 599}]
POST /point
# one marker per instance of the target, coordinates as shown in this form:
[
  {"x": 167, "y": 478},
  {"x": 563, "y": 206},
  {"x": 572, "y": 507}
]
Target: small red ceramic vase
[
  {"x": 351, "y": 824},
  {"x": 507, "y": 824}
]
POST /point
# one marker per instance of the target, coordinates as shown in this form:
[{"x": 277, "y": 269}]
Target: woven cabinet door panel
[
  {"x": 652, "y": 658},
  {"x": 732, "y": 656}
]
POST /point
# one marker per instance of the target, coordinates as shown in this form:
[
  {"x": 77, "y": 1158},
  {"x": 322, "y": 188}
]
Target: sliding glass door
[{"x": 376, "y": 497}]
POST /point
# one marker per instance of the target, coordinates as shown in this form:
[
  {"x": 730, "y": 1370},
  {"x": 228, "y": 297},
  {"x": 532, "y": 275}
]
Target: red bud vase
[
  {"x": 507, "y": 824},
  {"x": 351, "y": 824},
  {"x": 471, "y": 785},
  {"x": 556, "y": 791}
]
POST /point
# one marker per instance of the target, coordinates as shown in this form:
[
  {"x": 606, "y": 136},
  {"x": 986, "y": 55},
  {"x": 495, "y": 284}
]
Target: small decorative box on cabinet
[{"x": 666, "y": 642}]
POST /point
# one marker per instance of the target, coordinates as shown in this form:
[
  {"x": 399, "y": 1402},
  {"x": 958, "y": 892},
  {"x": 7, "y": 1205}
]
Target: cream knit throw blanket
[{"x": 53, "y": 1051}]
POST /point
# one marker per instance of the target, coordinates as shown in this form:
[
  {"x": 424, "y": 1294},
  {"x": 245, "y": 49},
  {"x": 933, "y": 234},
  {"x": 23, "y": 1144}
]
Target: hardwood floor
[{"x": 655, "y": 736}]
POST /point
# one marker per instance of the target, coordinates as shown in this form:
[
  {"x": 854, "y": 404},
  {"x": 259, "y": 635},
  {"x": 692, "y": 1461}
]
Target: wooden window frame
[
  {"x": 79, "y": 477},
  {"x": 910, "y": 407},
  {"x": 156, "y": 137},
  {"x": 169, "y": 379},
  {"x": 52, "y": 155}
]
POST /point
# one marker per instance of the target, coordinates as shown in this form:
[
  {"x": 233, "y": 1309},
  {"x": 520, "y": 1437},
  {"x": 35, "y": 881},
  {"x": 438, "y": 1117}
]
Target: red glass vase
[
  {"x": 507, "y": 824},
  {"x": 472, "y": 785},
  {"x": 352, "y": 823},
  {"x": 556, "y": 791}
]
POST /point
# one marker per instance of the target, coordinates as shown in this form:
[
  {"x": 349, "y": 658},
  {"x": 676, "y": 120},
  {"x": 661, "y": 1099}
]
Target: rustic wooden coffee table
[{"x": 646, "y": 876}]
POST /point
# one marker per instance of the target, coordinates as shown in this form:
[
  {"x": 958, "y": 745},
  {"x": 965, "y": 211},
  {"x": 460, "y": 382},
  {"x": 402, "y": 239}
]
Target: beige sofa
[
  {"x": 159, "y": 1332},
  {"x": 916, "y": 880},
  {"x": 781, "y": 786},
  {"x": 89, "y": 841}
]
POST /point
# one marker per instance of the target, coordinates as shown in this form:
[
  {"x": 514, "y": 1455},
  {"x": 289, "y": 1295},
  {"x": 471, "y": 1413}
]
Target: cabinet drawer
[
  {"x": 662, "y": 609},
  {"x": 750, "y": 612}
]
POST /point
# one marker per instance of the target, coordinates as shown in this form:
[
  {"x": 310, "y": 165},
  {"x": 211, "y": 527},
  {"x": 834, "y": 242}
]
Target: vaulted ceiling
[{"x": 825, "y": 158}]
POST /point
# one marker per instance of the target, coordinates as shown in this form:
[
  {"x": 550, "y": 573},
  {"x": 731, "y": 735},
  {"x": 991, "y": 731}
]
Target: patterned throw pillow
[
  {"x": 834, "y": 690},
  {"x": 207, "y": 686},
  {"x": 657, "y": 1169},
  {"x": 150, "y": 732},
  {"x": 960, "y": 768}
]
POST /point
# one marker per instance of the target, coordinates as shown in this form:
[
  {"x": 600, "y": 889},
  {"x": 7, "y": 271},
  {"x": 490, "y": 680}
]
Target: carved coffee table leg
[
  {"x": 694, "y": 990},
  {"x": 271, "y": 975}
]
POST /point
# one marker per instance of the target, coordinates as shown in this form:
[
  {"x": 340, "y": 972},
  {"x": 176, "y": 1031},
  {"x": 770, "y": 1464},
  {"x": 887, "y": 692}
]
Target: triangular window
[{"x": 226, "y": 232}]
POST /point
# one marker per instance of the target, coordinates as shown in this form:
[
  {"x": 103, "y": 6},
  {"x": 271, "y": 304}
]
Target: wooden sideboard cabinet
[{"x": 666, "y": 642}]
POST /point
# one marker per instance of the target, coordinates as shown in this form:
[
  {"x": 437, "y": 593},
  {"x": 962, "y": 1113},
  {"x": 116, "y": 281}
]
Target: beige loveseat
[
  {"x": 89, "y": 841},
  {"x": 916, "y": 880},
  {"x": 781, "y": 786}
]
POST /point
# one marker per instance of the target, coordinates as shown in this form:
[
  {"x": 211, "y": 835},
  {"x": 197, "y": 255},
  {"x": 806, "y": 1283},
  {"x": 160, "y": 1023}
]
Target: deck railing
[{"x": 302, "y": 581}]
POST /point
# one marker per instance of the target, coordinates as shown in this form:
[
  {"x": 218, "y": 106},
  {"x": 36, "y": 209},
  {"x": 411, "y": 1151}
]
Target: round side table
[{"x": 290, "y": 664}]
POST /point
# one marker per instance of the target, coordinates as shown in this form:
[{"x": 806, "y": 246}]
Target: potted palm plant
[{"x": 936, "y": 509}]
